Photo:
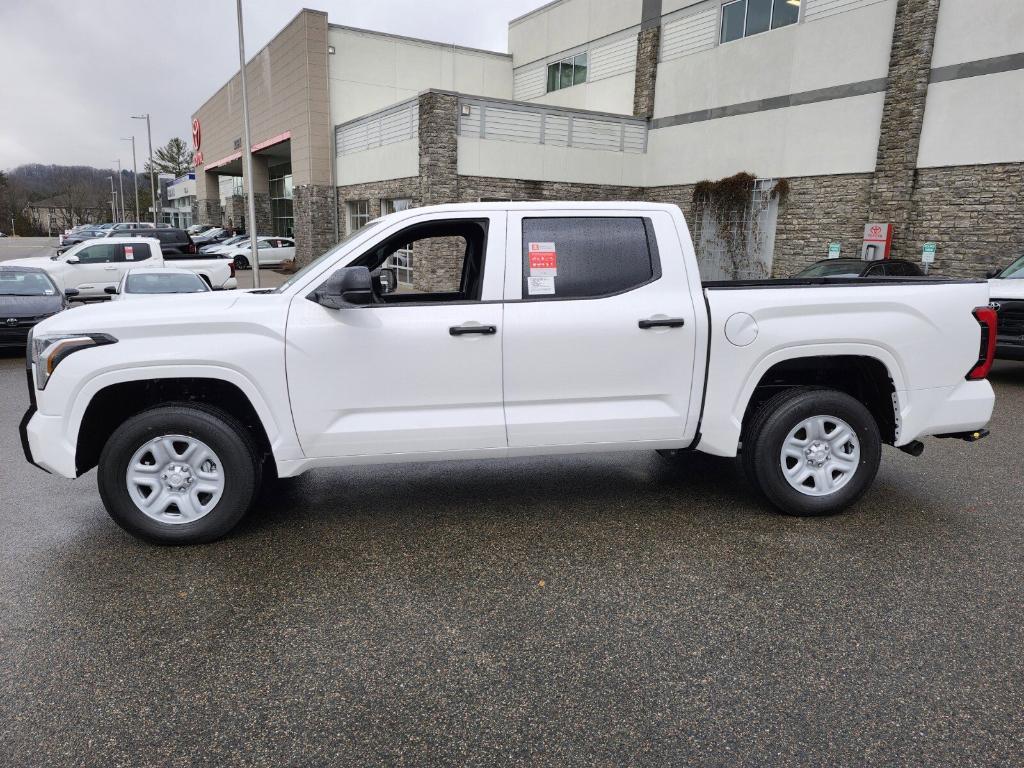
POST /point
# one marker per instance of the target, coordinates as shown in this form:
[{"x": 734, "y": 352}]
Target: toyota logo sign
[
  {"x": 197, "y": 134},
  {"x": 12, "y": 321}
]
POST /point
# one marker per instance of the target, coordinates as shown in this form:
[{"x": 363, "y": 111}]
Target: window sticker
[
  {"x": 540, "y": 286},
  {"x": 543, "y": 260},
  {"x": 129, "y": 253}
]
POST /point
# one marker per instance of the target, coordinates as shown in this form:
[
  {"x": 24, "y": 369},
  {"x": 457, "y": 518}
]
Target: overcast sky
[{"x": 72, "y": 72}]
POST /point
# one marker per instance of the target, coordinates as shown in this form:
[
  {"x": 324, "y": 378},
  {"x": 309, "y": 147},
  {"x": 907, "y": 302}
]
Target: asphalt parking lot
[{"x": 591, "y": 610}]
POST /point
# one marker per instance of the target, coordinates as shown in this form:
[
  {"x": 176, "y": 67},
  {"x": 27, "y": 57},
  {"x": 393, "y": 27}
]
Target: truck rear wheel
[
  {"x": 179, "y": 474},
  {"x": 812, "y": 451}
]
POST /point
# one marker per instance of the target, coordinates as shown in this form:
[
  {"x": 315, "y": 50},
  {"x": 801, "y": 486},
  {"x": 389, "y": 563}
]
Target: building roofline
[
  {"x": 422, "y": 40},
  {"x": 252, "y": 58},
  {"x": 541, "y": 9}
]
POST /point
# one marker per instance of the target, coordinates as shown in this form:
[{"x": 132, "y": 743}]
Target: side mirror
[
  {"x": 72, "y": 259},
  {"x": 71, "y": 292},
  {"x": 111, "y": 290},
  {"x": 994, "y": 272},
  {"x": 386, "y": 280},
  {"x": 349, "y": 286}
]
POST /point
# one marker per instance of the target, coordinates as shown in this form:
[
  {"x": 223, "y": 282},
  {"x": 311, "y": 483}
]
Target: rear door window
[{"x": 587, "y": 257}]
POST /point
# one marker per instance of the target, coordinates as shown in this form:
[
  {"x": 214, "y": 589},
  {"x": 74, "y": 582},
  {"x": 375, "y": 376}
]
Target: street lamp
[
  {"x": 120, "y": 185},
  {"x": 152, "y": 167},
  {"x": 113, "y": 200},
  {"x": 253, "y": 250},
  {"x": 135, "y": 178}
]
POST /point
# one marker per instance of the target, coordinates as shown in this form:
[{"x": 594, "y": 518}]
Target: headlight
[{"x": 46, "y": 351}]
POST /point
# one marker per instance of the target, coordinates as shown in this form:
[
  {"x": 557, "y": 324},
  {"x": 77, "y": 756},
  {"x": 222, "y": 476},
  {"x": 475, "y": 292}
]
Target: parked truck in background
[
  {"x": 94, "y": 265},
  {"x": 542, "y": 328},
  {"x": 1007, "y": 290}
]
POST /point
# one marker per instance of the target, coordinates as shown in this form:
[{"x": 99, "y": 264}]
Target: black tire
[
  {"x": 241, "y": 262},
  {"x": 767, "y": 430},
  {"x": 225, "y": 435}
]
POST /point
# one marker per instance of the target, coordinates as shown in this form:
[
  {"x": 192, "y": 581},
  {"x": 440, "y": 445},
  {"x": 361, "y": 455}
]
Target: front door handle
[
  {"x": 668, "y": 322},
  {"x": 462, "y": 330}
]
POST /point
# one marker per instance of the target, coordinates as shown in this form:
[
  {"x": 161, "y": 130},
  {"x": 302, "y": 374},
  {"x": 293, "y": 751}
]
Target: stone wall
[
  {"x": 974, "y": 214},
  {"x": 207, "y": 211},
  {"x": 648, "y": 42},
  {"x": 910, "y": 58},
  {"x": 312, "y": 208}
]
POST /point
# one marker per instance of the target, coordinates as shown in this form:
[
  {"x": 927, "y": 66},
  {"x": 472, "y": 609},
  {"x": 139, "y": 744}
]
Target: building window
[
  {"x": 742, "y": 18},
  {"x": 567, "y": 72},
  {"x": 358, "y": 214},
  {"x": 282, "y": 216},
  {"x": 401, "y": 259}
]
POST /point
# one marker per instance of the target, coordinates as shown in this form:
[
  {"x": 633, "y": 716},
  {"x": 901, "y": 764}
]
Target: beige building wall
[
  {"x": 288, "y": 93},
  {"x": 372, "y": 70}
]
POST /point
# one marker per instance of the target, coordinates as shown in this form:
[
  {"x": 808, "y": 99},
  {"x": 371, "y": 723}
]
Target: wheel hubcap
[
  {"x": 820, "y": 455},
  {"x": 175, "y": 479}
]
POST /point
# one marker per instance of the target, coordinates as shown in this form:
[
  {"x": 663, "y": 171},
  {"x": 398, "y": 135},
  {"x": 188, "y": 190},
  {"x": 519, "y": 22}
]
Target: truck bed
[{"x": 847, "y": 282}]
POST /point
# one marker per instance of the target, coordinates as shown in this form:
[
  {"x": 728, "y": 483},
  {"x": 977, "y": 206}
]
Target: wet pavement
[{"x": 585, "y": 610}]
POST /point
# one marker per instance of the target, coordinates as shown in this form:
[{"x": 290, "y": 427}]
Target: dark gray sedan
[{"x": 27, "y": 296}]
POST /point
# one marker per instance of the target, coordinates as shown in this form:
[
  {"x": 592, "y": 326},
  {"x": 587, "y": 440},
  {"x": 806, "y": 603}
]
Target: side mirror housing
[
  {"x": 348, "y": 287},
  {"x": 71, "y": 292},
  {"x": 72, "y": 259},
  {"x": 110, "y": 290},
  {"x": 994, "y": 272}
]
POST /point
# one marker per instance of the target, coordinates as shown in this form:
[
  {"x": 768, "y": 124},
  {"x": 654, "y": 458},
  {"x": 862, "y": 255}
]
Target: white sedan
[
  {"x": 144, "y": 283},
  {"x": 273, "y": 251}
]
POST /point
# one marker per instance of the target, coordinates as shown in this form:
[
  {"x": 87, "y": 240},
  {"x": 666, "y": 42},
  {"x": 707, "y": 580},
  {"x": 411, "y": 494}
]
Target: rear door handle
[
  {"x": 668, "y": 322},
  {"x": 462, "y": 330}
]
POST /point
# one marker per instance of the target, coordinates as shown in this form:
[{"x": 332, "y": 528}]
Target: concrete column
[
  {"x": 207, "y": 208},
  {"x": 910, "y": 59},
  {"x": 648, "y": 44}
]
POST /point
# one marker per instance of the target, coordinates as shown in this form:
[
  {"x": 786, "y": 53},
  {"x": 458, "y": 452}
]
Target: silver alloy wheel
[
  {"x": 175, "y": 479},
  {"x": 820, "y": 455}
]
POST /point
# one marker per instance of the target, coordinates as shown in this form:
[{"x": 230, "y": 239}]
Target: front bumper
[{"x": 43, "y": 440}]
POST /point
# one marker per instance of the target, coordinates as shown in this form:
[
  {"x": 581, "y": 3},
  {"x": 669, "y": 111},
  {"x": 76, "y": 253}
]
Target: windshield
[
  {"x": 1014, "y": 271},
  {"x": 832, "y": 269},
  {"x": 175, "y": 283},
  {"x": 316, "y": 263},
  {"x": 26, "y": 284}
]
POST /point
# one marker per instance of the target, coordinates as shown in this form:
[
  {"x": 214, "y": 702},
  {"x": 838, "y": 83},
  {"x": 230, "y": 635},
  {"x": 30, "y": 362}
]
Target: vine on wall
[{"x": 728, "y": 207}]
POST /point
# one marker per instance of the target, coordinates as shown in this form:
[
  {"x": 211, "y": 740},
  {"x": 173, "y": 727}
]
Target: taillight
[
  {"x": 987, "y": 319},
  {"x": 231, "y": 266},
  {"x": 191, "y": 247}
]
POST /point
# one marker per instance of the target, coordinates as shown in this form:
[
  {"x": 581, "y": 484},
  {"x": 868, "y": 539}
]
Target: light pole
[
  {"x": 135, "y": 178},
  {"x": 152, "y": 167},
  {"x": 120, "y": 187},
  {"x": 113, "y": 201},
  {"x": 253, "y": 250}
]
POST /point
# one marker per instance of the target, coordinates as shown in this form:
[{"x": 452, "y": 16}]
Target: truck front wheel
[
  {"x": 811, "y": 451},
  {"x": 179, "y": 474}
]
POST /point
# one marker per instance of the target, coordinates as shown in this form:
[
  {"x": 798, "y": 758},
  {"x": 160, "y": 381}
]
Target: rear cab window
[{"x": 586, "y": 257}]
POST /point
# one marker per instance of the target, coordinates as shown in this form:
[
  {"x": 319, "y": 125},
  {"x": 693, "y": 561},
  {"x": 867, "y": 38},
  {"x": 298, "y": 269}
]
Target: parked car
[
  {"x": 566, "y": 327},
  {"x": 1006, "y": 288},
  {"x": 273, "y": 251},
  {"x": 2, "y": 234},
  {"x": 145, "y": 282},
  {"x": 861, "y": 268},
  {"x": 27, "y": 296},
  {"x": 80, "y": 236},
  {"x": 223, "y": 245},
  {"x": 196, "y": 229},
  {"x": 133, "y": 225},
  {"x": 92, "y": 266}
]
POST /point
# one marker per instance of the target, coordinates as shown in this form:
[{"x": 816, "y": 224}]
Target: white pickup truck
[
  {"x": 516, "y": 329},
  {"x": 87, "y": 269}
]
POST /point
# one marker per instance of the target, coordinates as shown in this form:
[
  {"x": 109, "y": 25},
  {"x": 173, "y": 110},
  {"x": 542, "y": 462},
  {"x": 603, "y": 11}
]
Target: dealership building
[{"x": 844, "y": 116}]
